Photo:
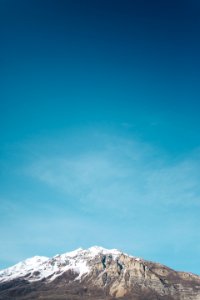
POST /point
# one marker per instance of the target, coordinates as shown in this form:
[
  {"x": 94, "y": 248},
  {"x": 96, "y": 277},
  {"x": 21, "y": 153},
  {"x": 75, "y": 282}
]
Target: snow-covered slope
[{"x": 39, "y": 267}]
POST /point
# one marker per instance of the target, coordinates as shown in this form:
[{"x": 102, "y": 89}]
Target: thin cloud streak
[
  {"x": 126, "y": 174},
  {"x": 116, "y": 192}
]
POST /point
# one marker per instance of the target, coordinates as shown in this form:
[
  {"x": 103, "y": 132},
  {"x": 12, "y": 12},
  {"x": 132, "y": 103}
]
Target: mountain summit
[{"x": 96, "y": 274}]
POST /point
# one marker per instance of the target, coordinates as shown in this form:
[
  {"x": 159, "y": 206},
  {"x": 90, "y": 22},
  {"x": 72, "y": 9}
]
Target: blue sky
[{"x": 100, "y": 126}]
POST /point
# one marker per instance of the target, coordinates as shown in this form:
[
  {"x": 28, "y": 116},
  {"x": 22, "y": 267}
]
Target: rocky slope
[{"x": 97, "y": 274}]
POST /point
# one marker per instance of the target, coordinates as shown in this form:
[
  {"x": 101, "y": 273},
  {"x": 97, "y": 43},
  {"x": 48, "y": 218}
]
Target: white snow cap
[
  {"x": 95, "y": 250},
  {"x": 39, "y": 267}
]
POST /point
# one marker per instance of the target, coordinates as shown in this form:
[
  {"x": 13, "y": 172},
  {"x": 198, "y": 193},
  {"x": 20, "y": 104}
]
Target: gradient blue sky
[{"x": 100, "y": 142}]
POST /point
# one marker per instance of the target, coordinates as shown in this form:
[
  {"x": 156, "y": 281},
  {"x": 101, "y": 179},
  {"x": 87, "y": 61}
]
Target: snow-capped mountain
[
  {"x": 96, "y": 274},
  {"x": 40, "y": 267}
]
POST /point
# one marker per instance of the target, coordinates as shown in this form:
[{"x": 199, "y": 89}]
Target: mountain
[{"x": 96, "y": 274}]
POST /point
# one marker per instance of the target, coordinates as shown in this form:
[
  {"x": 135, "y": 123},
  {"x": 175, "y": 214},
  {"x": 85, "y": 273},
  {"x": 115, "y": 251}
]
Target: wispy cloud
[
  {"x": 122, "y": 174},
  {"x": 103, "y": 189}
]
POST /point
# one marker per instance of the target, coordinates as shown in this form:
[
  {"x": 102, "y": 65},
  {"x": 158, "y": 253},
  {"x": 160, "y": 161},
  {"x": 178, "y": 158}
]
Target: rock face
[{"x": 97, "y": 274}]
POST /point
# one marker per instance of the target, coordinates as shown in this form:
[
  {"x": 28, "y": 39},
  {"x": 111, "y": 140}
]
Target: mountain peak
[
  {"x": 96, "y": 273},
  {"x": 45, "y": 267}
]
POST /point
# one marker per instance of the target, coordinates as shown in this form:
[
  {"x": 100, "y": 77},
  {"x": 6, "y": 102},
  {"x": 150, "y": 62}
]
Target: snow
[
  {"x": 74, "y": 253},
  {"x": 23, "y": 268},
  {"x": 40, "y": 267},
  {"x": 95, "y": 250}
]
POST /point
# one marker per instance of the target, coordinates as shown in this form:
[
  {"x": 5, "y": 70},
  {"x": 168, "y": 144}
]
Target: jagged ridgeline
[{"x": 96, "y": 274}]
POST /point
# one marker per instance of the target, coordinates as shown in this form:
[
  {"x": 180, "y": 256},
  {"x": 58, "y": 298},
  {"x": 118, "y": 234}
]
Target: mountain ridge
[{"x": 96, "y": 273}]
